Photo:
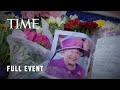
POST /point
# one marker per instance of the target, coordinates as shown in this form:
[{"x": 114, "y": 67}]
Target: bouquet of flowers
[
  {"x": 76, "y": 25},
  {"x": 109, "y": 29},
  {"x": 37, "y": 38},
  {"x": 32, "y": 47},
  {"x": 51, "y": 17},
  {"x": 43, "y": 14},
  {"x": 33, "y": 14},
  {"x": 4, "y": 46},
  {"x": 55, "y": 23},
  {"x": 4, "y": 32},
  {"x": 25, "y": 42}
]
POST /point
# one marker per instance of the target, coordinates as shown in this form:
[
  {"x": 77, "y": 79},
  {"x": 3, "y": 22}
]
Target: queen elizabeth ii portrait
[{"x": 66, "y": 61}]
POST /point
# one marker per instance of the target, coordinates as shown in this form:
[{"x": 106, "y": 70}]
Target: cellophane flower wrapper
[
  {"x": 109, "y": 29},
  {"x": 46, "y": 31},
  {"x": 24, "y": 52}
]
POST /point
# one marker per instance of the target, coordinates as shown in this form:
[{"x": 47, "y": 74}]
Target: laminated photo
[{"x": 71, "y": 53}]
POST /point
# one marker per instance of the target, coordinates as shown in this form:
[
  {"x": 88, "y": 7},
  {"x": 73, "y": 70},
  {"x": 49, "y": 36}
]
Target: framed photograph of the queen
[{"x": 71, "y": 55}]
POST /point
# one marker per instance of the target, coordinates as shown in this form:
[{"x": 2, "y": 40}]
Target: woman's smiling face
[{"x": 71, "y": 56}]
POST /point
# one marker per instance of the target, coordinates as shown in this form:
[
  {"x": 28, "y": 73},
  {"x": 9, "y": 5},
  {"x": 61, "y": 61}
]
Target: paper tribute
[{"x": 106, "y": 64}]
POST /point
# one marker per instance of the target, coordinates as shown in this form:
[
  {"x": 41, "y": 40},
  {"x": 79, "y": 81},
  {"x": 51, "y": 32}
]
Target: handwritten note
[{"x": 106, "y": 64}]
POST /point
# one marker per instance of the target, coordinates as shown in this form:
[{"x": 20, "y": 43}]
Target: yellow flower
[{"x": 100, "y": 23}]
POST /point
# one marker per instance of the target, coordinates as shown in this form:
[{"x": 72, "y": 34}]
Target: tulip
[
  {"x": 45, "y": 41},
  {"x": 31, "y": 36},
  {"x": 38, "y": 38},
  {"x": 48, "y": 43},
  {"x": 27, "y": 31}
]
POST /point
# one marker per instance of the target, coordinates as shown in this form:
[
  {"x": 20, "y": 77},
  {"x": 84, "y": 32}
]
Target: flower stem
[{"x": 87, "y": 32}]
